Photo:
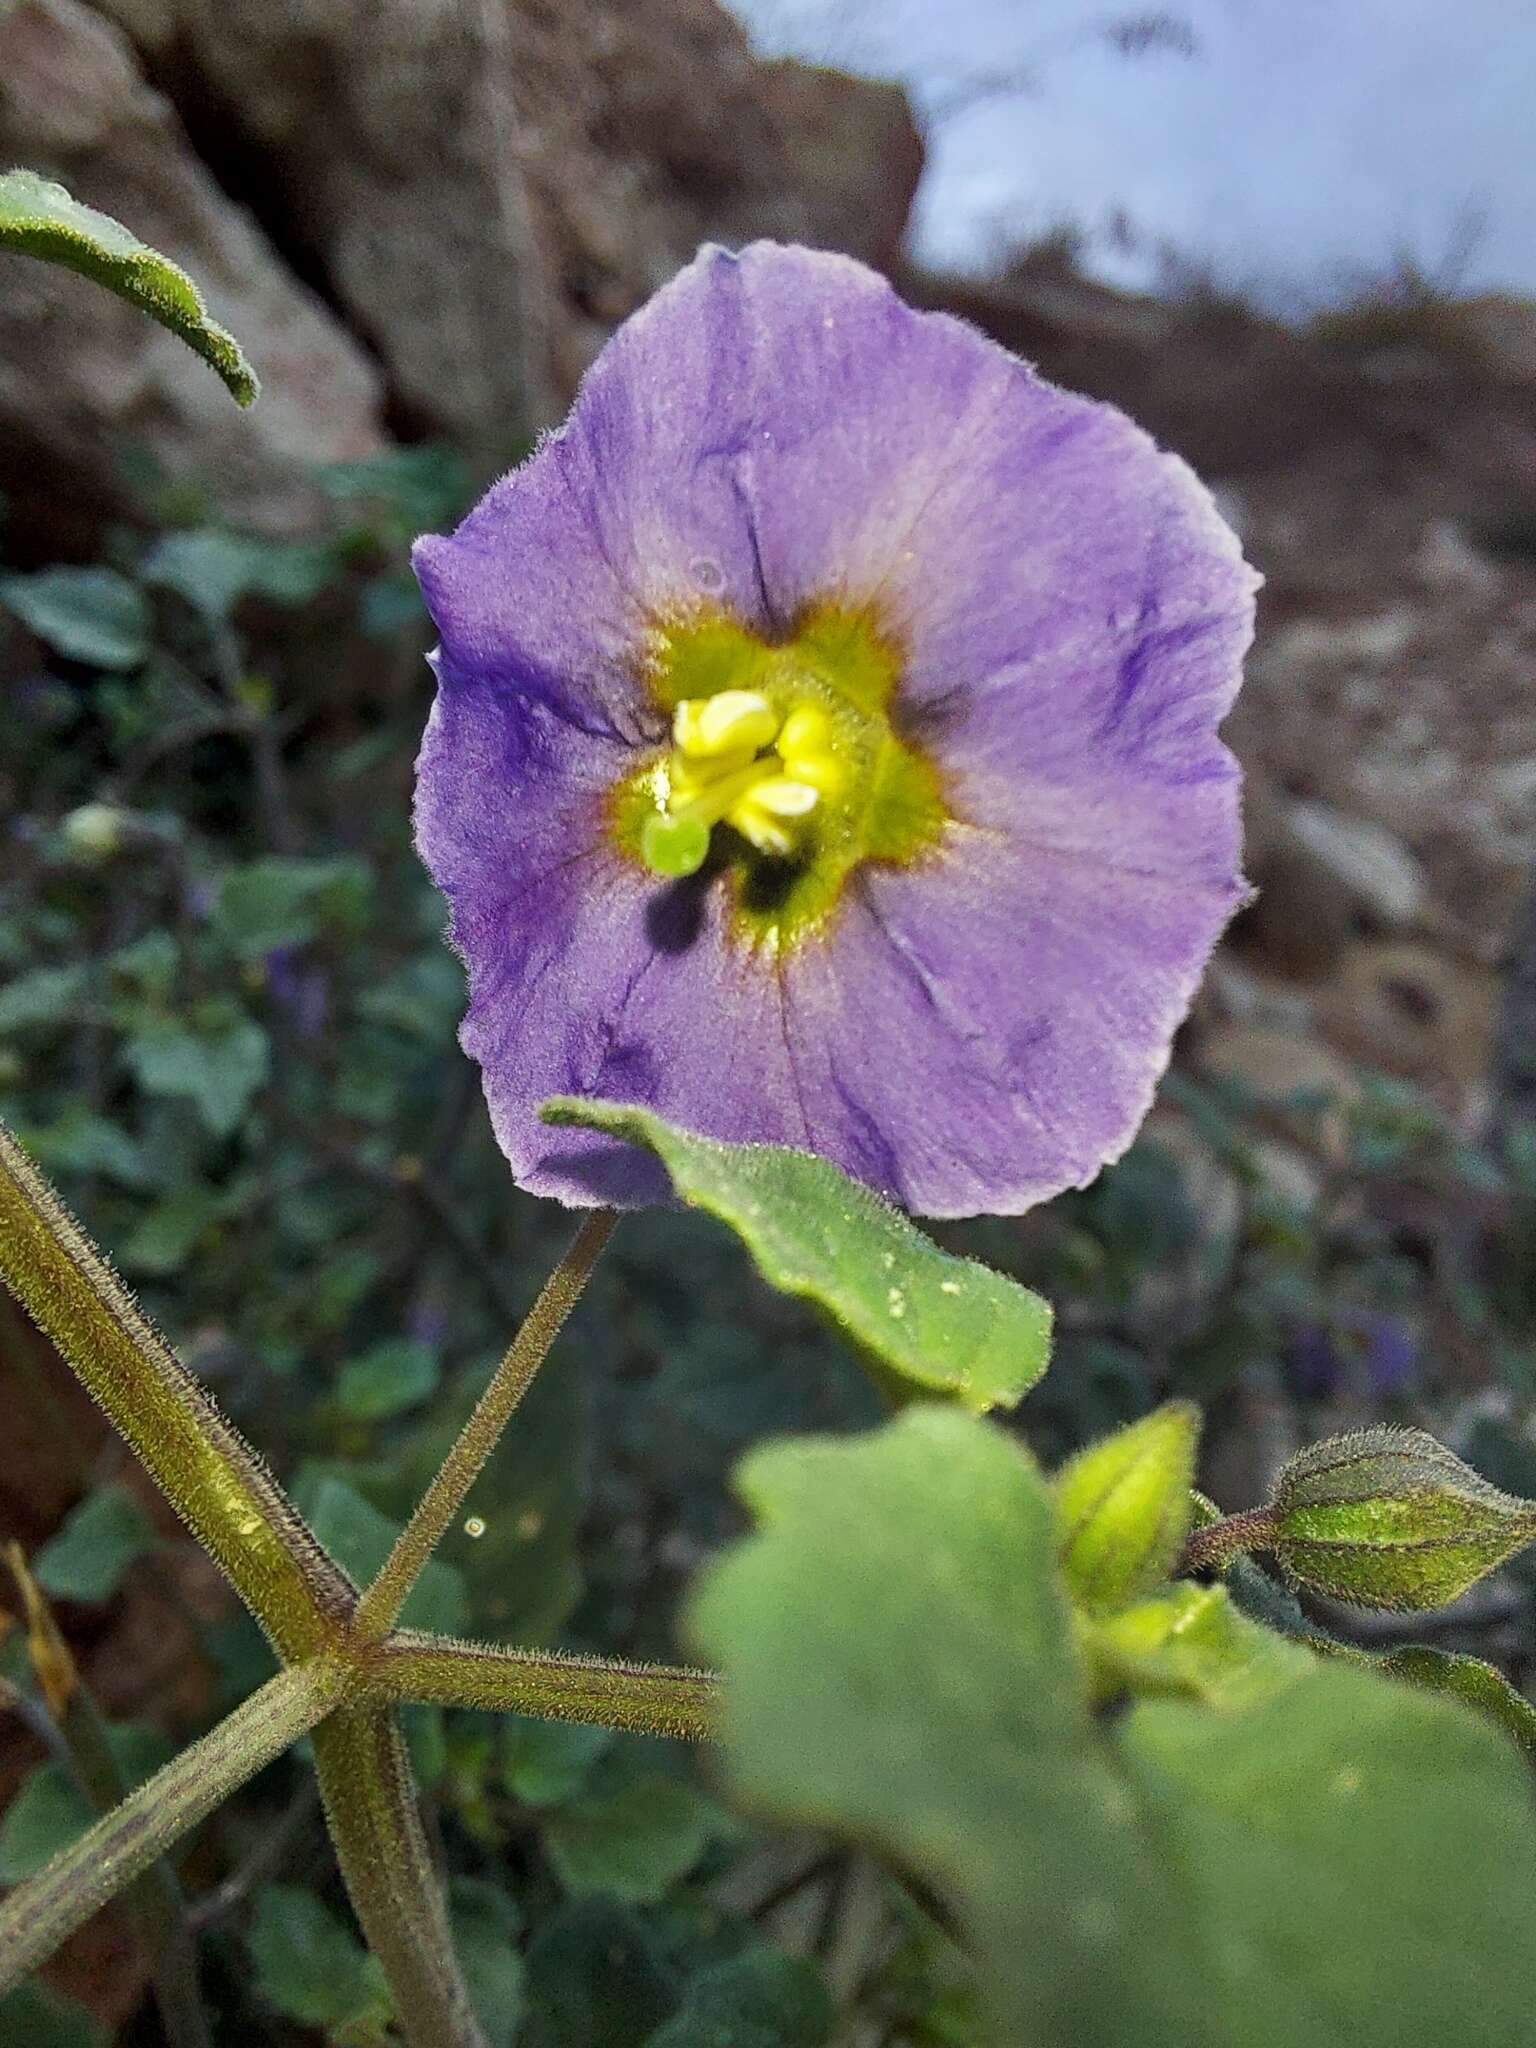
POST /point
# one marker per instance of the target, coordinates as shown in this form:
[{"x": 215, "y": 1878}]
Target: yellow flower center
[
  {"x": 735, "y": 761},
  {"x": 789, "y": 750}
]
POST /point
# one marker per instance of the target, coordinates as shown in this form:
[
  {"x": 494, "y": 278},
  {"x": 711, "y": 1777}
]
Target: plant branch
[
  {"x": 380, "y": 1606},
  {"x": 210, "y": 1475},
  {"x": 370, "y": 1808},
  {"x": 45, "y": 1911},
  {"x": 650, "y": 1699},
  {"x": 1219, "y": 1544}
]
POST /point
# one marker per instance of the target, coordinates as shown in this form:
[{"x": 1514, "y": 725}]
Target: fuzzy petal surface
[{"x": 970, "y": 1031}]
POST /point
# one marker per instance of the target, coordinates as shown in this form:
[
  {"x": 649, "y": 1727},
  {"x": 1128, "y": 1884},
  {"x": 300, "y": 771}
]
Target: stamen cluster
[{"x": 736, "y": 762}]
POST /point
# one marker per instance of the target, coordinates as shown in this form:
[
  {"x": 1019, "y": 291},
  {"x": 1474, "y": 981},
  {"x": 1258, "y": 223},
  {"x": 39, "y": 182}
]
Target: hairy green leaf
[
  {"x": 1332, "y": 1859},
  {"x": 939, "y": 1324},
  {"x": 39, "y": 218}
]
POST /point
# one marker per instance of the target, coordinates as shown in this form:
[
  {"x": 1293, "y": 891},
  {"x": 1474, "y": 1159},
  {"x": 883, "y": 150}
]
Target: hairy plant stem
[
  {"x": 1219, "y": 1544},
  {"x": 45, "y": 1911},
  {"x": 210, "y": 1475},
  {"x": 650, "y": 1699},
  {"x": 380, "y": 1606},
  {"x": 370, "y": 1808}
]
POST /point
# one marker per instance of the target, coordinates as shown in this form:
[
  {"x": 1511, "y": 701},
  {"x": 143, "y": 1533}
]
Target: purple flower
[{"x": 825, "y": 749}]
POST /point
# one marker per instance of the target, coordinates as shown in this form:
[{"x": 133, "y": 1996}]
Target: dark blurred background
[{"x": 1295, "y": 241}]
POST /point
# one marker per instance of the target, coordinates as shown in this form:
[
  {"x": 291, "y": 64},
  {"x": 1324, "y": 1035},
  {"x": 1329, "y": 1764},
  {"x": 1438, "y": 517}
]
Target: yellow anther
[
  {"x": 783, "y": 796},
  {"x": 760, "y": 815},
  {"x": 807, "y": 730},
  {"x": 806, "y": 749},
  {"x": 762, "y": 830},
  {"x": 730, "y": 722}
]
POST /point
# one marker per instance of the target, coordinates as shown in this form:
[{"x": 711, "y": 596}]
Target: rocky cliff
[{"x": 421, "y": 216}]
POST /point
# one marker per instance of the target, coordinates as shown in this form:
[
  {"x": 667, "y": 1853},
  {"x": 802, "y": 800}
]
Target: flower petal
[
  {"x": 971, "y": 1032},
  {"x": 989, "y": 1028}
]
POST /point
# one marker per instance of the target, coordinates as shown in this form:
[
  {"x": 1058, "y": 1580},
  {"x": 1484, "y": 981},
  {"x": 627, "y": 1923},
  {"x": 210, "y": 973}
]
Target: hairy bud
[{"x": 1389, "y": 1518}]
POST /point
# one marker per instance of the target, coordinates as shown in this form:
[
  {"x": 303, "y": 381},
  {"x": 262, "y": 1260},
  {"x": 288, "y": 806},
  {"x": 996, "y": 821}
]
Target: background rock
[{"x": 84, "y": 378}]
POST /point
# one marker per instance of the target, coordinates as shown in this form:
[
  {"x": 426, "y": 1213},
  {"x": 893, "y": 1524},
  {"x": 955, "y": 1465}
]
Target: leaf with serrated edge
[{"x": 944, "y": 1325}]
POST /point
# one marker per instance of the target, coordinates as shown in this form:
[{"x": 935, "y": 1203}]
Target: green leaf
[
  {"x": 633, "y": 1845},
  {"x": 87, "y": 615},
  {"x": 219, "y": 1067},
  {"x": 1391, "y": 1518},
  {"x": 39, "y": 218},
  {"x": 46, "y": 1815},
  {"x": 387, "y": 1380},
  {"x": 545, "y": 1763},
  {"x": 761, "y": 1998},
  {"x": 900, "y": 1666},
  {"x": 98, "y": 1541},
  {"x": 1124, "y": 1507},
  {"x": 1339, "y": 1860},
  {"x": 50, "y": 1810},
  {"x": 283, "y": 902},
  {"x": 485, "y": 1931},
  {"x": 77, "y": 1142},
  {"x": 163, "y": 1238},
  {"x": 594, "y": 1980},
  {"x": 45, "y": 996},
  {"x": 1358, "y": 1859},
  {"x": 1469, "y": 1679},
  {"x": 214, "y": 570},
  {"x": 360, "y": 1538},
  {"x": 309, "y": 1966},
  {"x": 942, "y": 1325},
  {"x": 35, "y": 2017}
]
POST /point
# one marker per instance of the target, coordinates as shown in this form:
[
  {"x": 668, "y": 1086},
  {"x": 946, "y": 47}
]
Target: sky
[{"x": 1303, "y": 148}]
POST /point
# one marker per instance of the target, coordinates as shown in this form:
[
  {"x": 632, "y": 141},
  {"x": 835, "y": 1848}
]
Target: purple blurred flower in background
[{"x": 825, "y": 749}]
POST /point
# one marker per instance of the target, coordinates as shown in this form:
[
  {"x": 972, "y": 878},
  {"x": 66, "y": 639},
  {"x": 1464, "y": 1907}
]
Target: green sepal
[
  {"x": 1124, "y": 1506},
  {"x": 940, "y": 1324},
  {"x": 1390, "y": 1518},
  {"x": 1189, "y": 1642},
  {"x": 39, "y": 218}
]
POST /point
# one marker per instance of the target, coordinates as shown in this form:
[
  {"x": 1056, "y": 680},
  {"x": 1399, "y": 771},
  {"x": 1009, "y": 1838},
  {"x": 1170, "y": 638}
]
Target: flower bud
[
  {"x": 1389, "y": 1518},
  {"x": 1124, "y": 1508}
]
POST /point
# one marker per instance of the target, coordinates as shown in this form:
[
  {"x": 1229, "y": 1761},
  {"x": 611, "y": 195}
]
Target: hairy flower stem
[
  {"x": 210, "y": 1475},
  {"x": 380, "y": 1606},
  {"x": 370, "y": 1808},
  {"x": 1219, "y": 1544},
  {"x": 650, "y": 1699},
  {"x": 45, "y": 1911}
]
